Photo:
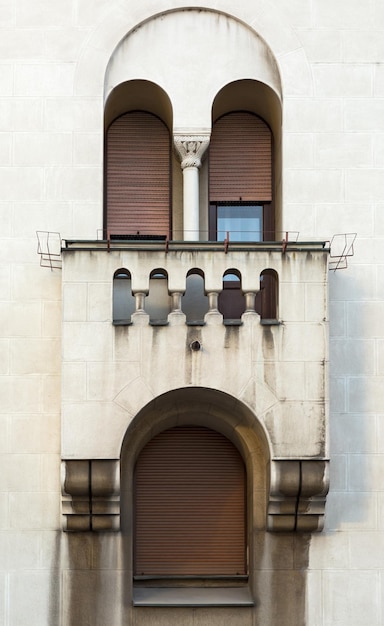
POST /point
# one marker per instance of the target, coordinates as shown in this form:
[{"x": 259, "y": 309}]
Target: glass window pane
[{"x": 242, "y": 222}]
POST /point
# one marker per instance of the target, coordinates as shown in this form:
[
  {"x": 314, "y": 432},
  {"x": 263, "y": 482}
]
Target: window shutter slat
[
  {"x": 138, "y": 175},
  {"x": 240, "y": 159}
]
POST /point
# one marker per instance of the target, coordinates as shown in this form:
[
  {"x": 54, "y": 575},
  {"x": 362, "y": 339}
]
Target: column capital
[{"x": 190, "y": 149}]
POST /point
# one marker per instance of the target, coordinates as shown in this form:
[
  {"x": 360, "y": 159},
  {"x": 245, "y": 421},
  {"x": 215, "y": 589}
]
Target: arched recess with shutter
[
  {"x": 138, "y": 175},
  {"x": 137, "y": 180},
  {"x": 245, "y": 163},
  {"x": 185, "y": 421}
]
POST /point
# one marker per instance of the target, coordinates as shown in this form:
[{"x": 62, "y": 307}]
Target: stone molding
[
  {"x": 91, "y": 495},
  {"x": 297, "y": 495},
  {"x": 190, "y": 149}
]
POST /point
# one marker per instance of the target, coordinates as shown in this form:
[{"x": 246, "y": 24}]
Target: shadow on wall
[{"x": 349, "y": 500}]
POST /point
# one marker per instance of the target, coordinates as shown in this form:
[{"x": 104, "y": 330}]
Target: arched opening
[
  {"x": 231, "y": 301},
  {"x": 190, "y": 414},
  {"x": 245, "y": 163},
  {"x": 158, "y": 302},
  {"x": 268, "y": 296},
  {"x": 194, "y": 301},
  {"x": 123, "y": 302},
  {"x": 137, "y": 203}
]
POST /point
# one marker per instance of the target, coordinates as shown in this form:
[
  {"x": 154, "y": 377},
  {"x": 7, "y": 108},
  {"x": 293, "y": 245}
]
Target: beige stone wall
[
  {"x": 53, "y": 61},
  {"x": 110, "y": 373}
]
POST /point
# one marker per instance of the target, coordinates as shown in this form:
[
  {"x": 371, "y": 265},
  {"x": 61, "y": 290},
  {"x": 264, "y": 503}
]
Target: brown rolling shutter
[
  {"x": 240, "y": 159},
  {"x": 138, "y": 175},
  {"x": 189, "y": 505}
]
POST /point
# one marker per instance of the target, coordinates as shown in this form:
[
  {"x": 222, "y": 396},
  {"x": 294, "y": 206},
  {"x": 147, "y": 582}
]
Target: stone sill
[{"x": 192, "y": 596}]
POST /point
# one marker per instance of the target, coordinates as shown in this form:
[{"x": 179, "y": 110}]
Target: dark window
[
  {"x": 194, "y": 301},
  {"x": 123, "y": 300},
  {"x": 231, "y": 301},
  {"x": 158, "y": 301},
  {"x": 267, "y": 298}
]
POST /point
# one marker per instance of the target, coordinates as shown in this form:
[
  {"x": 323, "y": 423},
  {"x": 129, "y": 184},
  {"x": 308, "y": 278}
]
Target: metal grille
[
  {"x": 189, "y": 505},
  {"x": 240, "y": 159},
  {"x": 138, "y": 175}
]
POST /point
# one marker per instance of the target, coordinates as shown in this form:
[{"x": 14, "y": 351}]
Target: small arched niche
[
  {"x": 231, "y": 301},
  {"x": 194, "y": 302},
  {"x": 123, "y": 302},
  {"x": 189, "y": 411},
  {"x": 158, "y": 302},
  {"x": 267, "y": 299}
]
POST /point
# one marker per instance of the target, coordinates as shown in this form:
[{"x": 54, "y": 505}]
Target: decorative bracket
[
  {"x": 91, "y": 495},
  {"x": 297, "y": 495}
]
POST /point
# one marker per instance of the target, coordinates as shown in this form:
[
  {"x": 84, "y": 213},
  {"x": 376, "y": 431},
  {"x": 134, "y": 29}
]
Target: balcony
[{"x": 136, "y": 328}]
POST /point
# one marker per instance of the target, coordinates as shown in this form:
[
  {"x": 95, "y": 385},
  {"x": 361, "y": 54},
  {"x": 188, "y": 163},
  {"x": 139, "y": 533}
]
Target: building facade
[{"x": 192, "y": 362}]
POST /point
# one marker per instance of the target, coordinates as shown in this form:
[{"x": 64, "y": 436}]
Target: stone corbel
[
  {"x": 297, "y": 496},
  {"x": 91, "y": 495},
  {"x": 190, "y": 149}
]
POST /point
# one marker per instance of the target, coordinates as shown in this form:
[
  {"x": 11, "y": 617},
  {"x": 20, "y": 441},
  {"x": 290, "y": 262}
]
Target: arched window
[
  {"x": 189, "y": 505},
  {"x": 240, "y": 179},
  {"x": 194, "y": 301},
  {"x": 123, "y": 300},
  {"x": 158, "y": 302},
  {"x": 267, "y": 300},
  {"x": 231, "y": 302},
  {"x": 138, "y": 176}
]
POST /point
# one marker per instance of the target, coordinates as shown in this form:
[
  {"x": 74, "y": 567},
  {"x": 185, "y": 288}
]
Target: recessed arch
[
  {"x": 176, "y": 30},
  {"x": 201, "y": 406},
  {"x": 194, "y": 300},
  {"x": 231, "y": 301},
  {"x": 123, "y": 301},
  {"x": 158, "y": 302},
  {"x": 138, "y": 95},
  {"x": 212, "y": 409},
  {"x": 269, "y": 295},
  {"x": 247, "y": 134}
]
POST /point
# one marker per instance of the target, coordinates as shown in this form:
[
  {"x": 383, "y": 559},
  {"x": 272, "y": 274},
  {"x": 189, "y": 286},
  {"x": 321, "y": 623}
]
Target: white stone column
[{"x": 190, "y": 149}]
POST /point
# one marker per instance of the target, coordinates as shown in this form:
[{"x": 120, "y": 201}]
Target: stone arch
[
  {"x": 217, "y": 411},
  {"x": 279, "y": 45},
  {"x": 281, "y": 39},
  {"x": 175, "y": 31},
  {"x": 138, "y": 95}
]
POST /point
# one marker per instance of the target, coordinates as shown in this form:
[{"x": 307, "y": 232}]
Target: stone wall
[{"x": 54, "y": 62}]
